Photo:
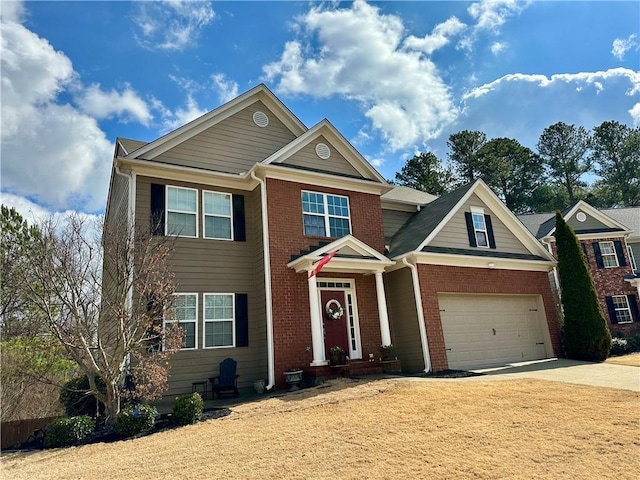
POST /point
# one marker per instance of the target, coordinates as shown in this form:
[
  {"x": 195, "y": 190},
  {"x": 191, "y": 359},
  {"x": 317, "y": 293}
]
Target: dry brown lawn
[
  {"x": 382, "y": 429},
  {"x": 632, "y": 359}
]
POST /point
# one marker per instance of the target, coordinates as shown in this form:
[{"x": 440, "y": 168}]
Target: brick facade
[
  {"x": 290, "y": 293},
  {"x": 436, "y": 279},
  {"x": 608, "y": 282}
]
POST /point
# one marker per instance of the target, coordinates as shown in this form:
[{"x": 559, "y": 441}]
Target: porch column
[
  {"x": 316, "y": 324},
  {"x": 382, "y": 310}
]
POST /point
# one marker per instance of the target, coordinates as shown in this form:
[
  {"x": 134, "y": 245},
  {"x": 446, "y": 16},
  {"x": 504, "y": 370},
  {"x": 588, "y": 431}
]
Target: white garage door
[{"x": 483, "y": 330}]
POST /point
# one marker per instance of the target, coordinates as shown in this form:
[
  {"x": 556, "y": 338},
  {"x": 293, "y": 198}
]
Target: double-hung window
[
  {"x": 480, "y": 229},
  {"x": 182, "y": 211},
  {"x": 608, "y": 253},
  {"x": 325, "y": 215},
  {"x": 219, "y": 320},
  {"x": 217, "y": 212},
  {"x": 185, "y": 316},
  {"x": 622, "y": 309}
]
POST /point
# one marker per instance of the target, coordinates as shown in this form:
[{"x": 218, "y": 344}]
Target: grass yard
[
  {"x": 382, "y": 429},
  {"x": 632, "y": 359}
]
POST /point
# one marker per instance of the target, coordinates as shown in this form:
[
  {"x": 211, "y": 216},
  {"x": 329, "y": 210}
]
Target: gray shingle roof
[
  {"x": 131, "y": 145},
  {"x": 538, "y": 223},
  {"x": 627, "y": 216},
  {"x": 417, "y": 228},
  {"x": 408, "y": 195}
]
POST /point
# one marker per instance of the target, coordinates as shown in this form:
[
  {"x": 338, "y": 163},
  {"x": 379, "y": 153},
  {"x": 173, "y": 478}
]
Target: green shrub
[
  {"x": 68, "y": 431},
  {"x": 135, "y": 419},
  {"x": 624, "y": 345},
  {"x": 188, "y": 409},
  {"x": 78, "y": 400}
]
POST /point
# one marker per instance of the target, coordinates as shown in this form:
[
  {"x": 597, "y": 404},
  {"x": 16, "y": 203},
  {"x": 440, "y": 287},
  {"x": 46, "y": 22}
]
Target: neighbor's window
[
  {"x": 324, "y": 213},
  {"x": 217, "y": 215},
  {"x": 185, "y": 311},
  {"x": 218, "y": 320},
  {"x": 623, "y": 311},
  {"x": 608, "y": 253},
  {"x": 480, "y": 229},
  {"x": 182, "y": 211},
  {"x": 634, "y": 265}
]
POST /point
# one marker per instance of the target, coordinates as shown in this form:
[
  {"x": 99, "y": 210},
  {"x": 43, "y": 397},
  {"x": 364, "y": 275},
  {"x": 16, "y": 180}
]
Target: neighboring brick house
[
  {"x": 253, "y": 200},
  {"x": 608, "y": 244}
]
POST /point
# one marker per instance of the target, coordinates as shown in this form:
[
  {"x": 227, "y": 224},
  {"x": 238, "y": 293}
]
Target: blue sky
[{"x": 394, "y": 77}]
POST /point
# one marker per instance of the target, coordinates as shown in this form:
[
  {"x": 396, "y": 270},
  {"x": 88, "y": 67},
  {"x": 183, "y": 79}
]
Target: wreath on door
[{"x": 334, "y": 309}]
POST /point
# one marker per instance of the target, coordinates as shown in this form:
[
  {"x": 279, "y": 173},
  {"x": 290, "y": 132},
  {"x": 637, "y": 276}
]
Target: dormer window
[{"x": 479, "y": 228}]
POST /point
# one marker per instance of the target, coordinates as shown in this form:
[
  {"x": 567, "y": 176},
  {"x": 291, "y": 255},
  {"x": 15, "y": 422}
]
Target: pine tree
[{"x": 585, "y": 332}]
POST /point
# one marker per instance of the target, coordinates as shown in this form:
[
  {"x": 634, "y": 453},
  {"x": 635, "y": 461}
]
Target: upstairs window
[
  {"x": 217, "y": 215},
  {"x": 182, "y": 212},
  {"x": 480, "y": 230},
  {"x": 608, "y": 253},
  {"x": 324, "y": 213}
]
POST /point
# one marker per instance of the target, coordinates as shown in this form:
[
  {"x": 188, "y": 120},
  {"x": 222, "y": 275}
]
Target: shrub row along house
[{"x": 254, "y": 199}]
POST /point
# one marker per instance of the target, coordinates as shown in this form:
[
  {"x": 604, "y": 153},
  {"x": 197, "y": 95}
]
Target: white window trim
[
  {"x": 165, "y": 322},
  {"x": 479, "y": 211},
  {"x": 632, "y": 257},
  {"x": 627, "y": 308},
  {"x": 205, "y": 320},
  {"x": 167, "y": 210},
  {"x": 205, "y": 214},
  {"x": 326, "y": 215},
  {"x": 615, "y": 254}
]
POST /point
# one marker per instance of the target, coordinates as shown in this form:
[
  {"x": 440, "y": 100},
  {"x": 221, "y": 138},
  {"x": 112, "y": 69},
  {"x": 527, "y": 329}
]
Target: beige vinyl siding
[
  {"x": 392, "y": 220},
  {"x": 233, "y": 145},
  {"x": 307, "y": 157},
  {"x": 403, "y": 317},
  {"x": 217, "y": 266},
  {"x": 454, "y": 234},
  {"x": 589, "y": 224}
]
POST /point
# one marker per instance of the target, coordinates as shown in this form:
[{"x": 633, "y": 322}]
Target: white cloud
[
  {"x": 51, "y": 152},
  {"x": 582, "y": 78},
  {"x": 227, "y": 89},
  {"x": 357, "y": 53},
  {"x": 101, "y": 104},
  {"x": 492, "y": 14},
  {"x": 621, "y": 46},
  {"x": 498, "y": 47},
  {"x": 635, "y": 114},
  {"x": 171, "y": 25},
  {"x": 439, "y": 37}
]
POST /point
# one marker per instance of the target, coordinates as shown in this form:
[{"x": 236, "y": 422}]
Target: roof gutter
[
  {"x": 418, "y": 299},
  {"x": 267, "y": 281}
]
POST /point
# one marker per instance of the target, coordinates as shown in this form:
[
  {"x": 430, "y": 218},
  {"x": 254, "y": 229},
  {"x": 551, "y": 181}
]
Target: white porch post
[
  {"x": 316, "y": 324},
  {"x": 382, "y": 310}
]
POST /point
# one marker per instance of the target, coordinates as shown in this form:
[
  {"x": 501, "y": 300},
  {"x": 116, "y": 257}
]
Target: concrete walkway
[{"x": 569, "y": 371}]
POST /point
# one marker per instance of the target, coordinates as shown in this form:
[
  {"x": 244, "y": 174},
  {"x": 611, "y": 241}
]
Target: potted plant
[
  {"x": 293, "y": 377},
  {"x": 337, "y": 356},
  {"x": 388, "y": 353}
]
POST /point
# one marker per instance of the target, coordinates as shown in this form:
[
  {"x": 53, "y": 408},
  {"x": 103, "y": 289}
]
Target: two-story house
[
  {"x": 608, "y": 245},
  {"x": 253, "y": 200}
]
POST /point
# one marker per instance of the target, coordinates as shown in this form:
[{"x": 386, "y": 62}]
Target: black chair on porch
[{"x": 226, "y": 382}]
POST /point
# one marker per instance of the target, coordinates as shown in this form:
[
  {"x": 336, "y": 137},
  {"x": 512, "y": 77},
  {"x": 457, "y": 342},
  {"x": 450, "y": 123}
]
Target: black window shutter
[
  {"x": 633, "y": 304},
  {"x": 584, "y": 250},
  {"x": 596, "y": 251},
  {"x": 612, "y": 310},
  {"x": 242, "y": 320},
  {"x": 470, "y": 230},
  {"x": 157, "y": 208},
  {"x": 239, "y": 229},
  {"x": 620, "y": 253},
  {"x": 492, "y": 240}
]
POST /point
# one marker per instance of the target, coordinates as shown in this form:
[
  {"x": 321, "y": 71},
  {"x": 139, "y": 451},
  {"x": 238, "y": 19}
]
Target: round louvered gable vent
[
  {"x": 260, "y": 119},
  {"x": 323, "y": 151},
  {"x": 581, "y": 217}
]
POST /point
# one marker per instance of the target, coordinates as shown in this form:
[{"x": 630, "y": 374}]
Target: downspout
[
  {"x": 267, "y": 280},
  {"x": 423, "y": 329}
]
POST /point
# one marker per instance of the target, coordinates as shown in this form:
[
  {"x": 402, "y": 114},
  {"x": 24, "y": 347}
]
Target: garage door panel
[{"x": 482, "y": 330}]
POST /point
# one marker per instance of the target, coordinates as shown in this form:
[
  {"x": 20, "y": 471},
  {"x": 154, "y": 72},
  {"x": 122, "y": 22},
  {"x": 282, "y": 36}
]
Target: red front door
[{"x": 335, "y": 330}]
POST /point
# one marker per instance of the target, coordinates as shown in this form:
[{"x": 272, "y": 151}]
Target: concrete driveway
[{"x": 571, "y": 371}]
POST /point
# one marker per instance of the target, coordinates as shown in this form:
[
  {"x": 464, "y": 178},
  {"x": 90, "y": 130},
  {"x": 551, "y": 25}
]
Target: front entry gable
[{"x": 352, "y": 255}]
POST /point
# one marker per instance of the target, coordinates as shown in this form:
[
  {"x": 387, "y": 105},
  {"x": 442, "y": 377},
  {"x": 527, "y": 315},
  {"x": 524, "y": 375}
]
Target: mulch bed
[{"x": 107, "y": 434}]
